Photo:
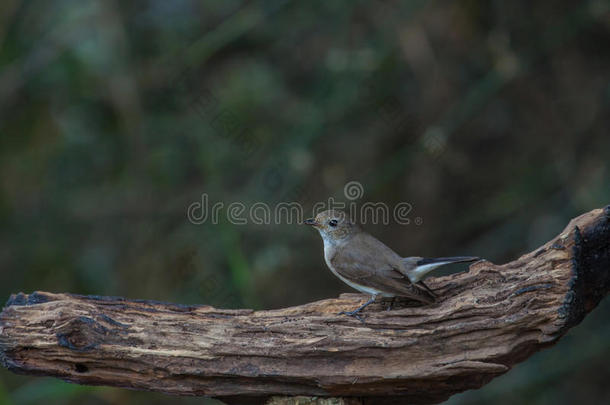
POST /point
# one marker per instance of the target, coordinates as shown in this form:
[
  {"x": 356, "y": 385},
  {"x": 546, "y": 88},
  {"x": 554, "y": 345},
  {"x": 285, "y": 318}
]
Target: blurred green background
[{"x": 492, "y": 119}]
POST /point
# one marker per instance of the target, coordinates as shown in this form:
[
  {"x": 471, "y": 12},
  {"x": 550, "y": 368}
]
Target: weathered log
[{"x": 486, "y": 320}]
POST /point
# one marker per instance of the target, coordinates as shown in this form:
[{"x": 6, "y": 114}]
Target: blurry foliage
[{"x": 490, "y": 118}]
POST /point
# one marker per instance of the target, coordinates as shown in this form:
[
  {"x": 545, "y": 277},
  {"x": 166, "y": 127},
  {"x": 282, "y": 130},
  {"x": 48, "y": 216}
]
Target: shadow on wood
[{"x": 486, "y": 320}]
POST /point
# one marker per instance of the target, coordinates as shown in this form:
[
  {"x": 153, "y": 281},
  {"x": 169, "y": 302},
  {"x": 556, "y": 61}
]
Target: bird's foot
[
  {"x": 355, "y": 313},
  {"x": 391, "y": 304}
]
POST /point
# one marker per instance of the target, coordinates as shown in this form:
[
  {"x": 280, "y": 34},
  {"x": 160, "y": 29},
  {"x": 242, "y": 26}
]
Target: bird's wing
[{"x": 366, "y": 261}]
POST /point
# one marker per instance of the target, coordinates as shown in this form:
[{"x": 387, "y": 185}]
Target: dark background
[{"x": 492, "y": 119}]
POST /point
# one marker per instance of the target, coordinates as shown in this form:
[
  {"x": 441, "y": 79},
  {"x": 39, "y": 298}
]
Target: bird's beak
[{"x": 310, "y": 221}]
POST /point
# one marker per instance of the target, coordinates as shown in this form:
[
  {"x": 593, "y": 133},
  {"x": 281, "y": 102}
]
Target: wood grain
[{"x": 486, "y": 320}]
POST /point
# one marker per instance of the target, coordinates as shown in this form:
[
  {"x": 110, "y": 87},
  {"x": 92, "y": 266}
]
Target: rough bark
[{"x": 486, "y": 320}]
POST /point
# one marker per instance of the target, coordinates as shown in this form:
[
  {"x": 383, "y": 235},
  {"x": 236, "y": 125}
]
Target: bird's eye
[{"x": 332, "y": 222}]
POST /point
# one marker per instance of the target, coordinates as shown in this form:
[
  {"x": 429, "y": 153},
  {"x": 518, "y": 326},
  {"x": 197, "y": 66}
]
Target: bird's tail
[{"x": 418, "y": 267}]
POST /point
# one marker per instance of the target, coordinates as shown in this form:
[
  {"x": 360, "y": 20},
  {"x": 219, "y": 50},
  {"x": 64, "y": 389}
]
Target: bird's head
[{"x": 333, "y": 225}]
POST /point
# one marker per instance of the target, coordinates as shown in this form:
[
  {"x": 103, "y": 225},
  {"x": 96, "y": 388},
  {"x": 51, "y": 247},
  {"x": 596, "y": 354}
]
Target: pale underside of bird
[{"x": 369, "y": 266}]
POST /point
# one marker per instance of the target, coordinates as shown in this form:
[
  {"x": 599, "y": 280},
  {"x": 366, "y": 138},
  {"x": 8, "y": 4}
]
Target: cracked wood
[{"x": 486, "y": 320}]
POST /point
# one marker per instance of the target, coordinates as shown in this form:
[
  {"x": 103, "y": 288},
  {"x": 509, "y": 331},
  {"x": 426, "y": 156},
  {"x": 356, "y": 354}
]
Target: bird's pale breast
[{"x": 330, "y": 250}]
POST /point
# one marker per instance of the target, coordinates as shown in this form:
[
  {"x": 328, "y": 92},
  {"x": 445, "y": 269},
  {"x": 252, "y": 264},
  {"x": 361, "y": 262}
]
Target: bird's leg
[
  {"x": 421, "y": 284},
  {"x": 355, "y": 312},
  {"x": 389, "y": 308}
]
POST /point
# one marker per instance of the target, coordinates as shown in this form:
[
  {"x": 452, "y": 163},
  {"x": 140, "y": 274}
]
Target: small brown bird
[{"x": 366, "y": 264}]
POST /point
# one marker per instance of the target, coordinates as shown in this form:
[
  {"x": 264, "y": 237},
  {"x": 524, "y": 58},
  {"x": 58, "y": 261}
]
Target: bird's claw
[
  {"x": 391, "y": 304},
  {"x": 352, "y": 313}
]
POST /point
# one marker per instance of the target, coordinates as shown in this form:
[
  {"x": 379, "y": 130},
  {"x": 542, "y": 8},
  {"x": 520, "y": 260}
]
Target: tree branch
[{"x": 486, "y": 320}]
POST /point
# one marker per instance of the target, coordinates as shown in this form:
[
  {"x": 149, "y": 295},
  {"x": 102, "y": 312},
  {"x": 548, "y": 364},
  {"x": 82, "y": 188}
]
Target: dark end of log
[
  {"x": 486, "y": 320},
  {"x": 590, "y": 280}
]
